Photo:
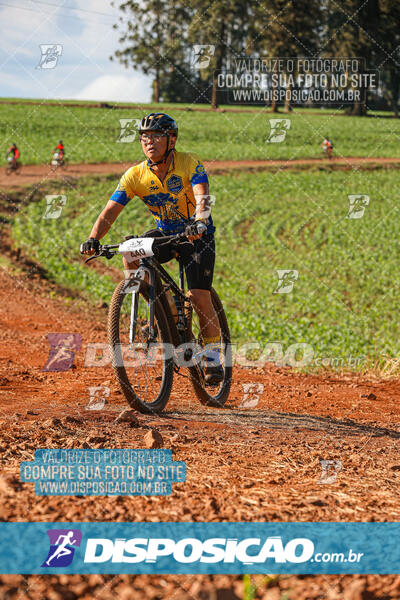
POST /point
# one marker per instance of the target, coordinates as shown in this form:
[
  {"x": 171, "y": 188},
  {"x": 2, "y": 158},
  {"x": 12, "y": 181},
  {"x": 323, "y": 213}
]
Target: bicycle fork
[{"x": 133, "y": 286}]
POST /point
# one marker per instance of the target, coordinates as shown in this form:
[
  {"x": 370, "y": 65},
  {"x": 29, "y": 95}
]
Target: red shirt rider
[
  {"x": 14, "y": 151},
  {"x": 60, "y": 148}
]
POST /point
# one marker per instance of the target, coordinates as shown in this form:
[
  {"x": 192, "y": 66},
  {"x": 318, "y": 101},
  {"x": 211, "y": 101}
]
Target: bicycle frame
[
  {"x": 151, "y": 266},
  {"x": 148, "y": 265}
]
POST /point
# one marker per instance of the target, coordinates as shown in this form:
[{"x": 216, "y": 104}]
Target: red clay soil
[
  {"x": 243, "y": 464},
  {"x": 30, "y": 174}
]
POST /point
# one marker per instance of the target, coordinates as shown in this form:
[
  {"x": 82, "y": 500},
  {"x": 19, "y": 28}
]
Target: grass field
[
  {"x": 345, "y": 300},
  {"x": 91, "y": 134}
]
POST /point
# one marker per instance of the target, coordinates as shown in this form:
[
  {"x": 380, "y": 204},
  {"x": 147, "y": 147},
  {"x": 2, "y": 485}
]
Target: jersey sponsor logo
[
  {"x": 174, "y": 184},
  {"x": 159, "y": 199},
  {"x": 200, "y": 168}
]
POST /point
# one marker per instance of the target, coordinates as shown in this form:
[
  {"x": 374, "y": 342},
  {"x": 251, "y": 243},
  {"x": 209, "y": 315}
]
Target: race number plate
[{"x": 137, "y": 248}]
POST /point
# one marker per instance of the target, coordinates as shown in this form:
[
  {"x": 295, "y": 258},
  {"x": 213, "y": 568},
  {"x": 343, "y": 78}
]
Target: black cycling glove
[
  {"x": 196, "y": 228},
  {"x": 89, "y": 245}
]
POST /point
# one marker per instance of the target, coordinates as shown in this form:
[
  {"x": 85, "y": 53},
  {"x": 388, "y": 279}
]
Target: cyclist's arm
[
  {"x": 203, "y": 211},
  {"x": 105, "y": 219},
  {"x": 201, "y": 194}
]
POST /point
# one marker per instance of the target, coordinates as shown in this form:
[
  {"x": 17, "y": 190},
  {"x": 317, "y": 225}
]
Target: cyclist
[
  {"x": 12, "y": 155},
  {"x": 60, "y": 150},
  {"x": 174, "y": 186},
  {"x": 327, "y": 146}
]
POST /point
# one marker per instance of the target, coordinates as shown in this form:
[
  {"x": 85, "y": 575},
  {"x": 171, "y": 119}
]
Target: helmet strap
[{"x": 164, "y": 158}]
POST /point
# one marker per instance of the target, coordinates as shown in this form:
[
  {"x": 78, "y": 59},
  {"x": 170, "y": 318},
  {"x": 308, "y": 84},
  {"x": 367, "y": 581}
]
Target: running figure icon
[
  {"x": 63, "y": 544},
  {"x": 62, "y": 549}
]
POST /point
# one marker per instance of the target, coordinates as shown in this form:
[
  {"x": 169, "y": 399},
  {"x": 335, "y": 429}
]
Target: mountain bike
[
  {"x": 328, "y": 151},
  {"x": 58, "y": 161},
  {"x": 14, "y": 166},
  {"x": 153, "y": 331}
]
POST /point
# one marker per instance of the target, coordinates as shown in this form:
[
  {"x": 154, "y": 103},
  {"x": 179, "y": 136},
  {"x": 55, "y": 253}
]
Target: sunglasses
[{"x": 152, "y": 137}]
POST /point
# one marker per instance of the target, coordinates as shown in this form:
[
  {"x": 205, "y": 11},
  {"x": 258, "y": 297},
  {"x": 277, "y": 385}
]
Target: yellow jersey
[{"x": 172, "y": 201}]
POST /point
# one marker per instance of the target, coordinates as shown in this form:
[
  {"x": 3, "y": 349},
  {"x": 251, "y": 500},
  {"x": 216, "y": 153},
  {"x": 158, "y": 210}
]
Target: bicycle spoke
[{"x": 142, "y": 353}]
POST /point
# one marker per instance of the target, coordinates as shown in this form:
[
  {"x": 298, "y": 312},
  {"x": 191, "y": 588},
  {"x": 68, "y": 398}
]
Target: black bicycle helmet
[{"x": 158, "y": 122}]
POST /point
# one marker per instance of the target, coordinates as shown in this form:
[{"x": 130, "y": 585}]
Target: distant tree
[
  {"x": 221, "y": 24},
  {"x": 388, "y": 60},
  {"x": 152, "y": 38},
  {"x": 356, "y": 34},
  {"x": 286, "y": 29},
  {"x": 183, "y": 84}
]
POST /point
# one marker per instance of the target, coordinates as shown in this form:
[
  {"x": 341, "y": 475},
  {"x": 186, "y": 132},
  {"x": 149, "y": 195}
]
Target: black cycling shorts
[{"x": 198, "y": 259}]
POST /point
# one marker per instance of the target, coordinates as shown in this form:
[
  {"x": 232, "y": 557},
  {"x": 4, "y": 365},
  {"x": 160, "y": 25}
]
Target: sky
[{"x": 83, "y": 70}]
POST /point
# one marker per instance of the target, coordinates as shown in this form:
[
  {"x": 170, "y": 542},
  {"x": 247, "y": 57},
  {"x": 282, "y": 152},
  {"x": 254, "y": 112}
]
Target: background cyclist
[
  {"x": 327, "y": 146},
  {"x": 60, "y": 150},
  {"x": 12, "y": 155}
]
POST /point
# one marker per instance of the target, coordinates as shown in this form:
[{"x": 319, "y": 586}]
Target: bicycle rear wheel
[
  {"x": 143, "y": 365},
  {"x": 215, "y": 396}
]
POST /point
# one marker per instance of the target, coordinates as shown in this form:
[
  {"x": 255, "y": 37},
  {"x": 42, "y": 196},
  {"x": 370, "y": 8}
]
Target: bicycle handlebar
[{"x": 107, "y": 249}]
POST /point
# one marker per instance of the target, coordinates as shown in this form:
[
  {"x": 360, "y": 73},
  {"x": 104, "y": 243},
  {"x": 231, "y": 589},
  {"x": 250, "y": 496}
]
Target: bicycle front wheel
[{"x": 142, "y": 360}]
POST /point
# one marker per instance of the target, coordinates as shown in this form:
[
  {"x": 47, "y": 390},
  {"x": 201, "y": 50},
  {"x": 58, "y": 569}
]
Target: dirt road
[
  {"x": 259, "y": 463},
  {"x": 30, "y": 174}
]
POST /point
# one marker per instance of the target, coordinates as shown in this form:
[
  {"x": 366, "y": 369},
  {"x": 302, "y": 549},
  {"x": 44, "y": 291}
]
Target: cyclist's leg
[
  {"x": 199, "y": 260},
  {"x": 199, "y": 268},
  {"x": 202, "y": 304},
  {"x": 129, "y": 267}
]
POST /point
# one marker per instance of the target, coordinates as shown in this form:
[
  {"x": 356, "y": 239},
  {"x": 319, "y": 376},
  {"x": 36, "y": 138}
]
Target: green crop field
[
  {"x": 345, "y": 300},
  {"x": 91, "y": 134}
]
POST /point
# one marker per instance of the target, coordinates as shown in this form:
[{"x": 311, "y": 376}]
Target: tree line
[{"x": 160, "y": 38}]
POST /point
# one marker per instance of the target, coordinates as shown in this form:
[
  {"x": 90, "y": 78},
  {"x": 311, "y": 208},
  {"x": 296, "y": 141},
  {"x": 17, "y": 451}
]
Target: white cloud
[
  {"x": 84, "y": 70},
  {"x": 117, "y": 88}
]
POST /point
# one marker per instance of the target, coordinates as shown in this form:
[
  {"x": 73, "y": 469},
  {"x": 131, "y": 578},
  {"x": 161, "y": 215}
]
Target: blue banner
[{"x": 191, "y": 548}]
